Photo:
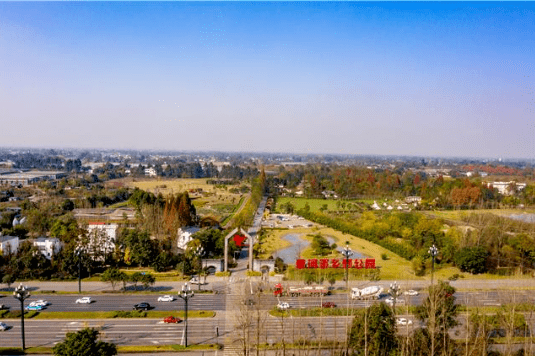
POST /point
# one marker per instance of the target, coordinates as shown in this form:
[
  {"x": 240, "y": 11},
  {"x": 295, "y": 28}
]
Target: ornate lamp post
[
  {"x": 433, "y": 251},
  {"x": 186, "y": 294},
  {"x": 346, "y": 251},
  {"x": 395, "y": 292},
  {"x": 21, "y": 293}
]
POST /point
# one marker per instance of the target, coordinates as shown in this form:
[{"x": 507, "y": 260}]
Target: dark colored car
[
  {"x": 172, "y": 319},
  {"x": 328, "y": 305},
  {"x": 142, "y": 306}
]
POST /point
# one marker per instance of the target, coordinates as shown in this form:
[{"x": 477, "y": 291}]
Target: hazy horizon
[{"x": 441, "y": 79}]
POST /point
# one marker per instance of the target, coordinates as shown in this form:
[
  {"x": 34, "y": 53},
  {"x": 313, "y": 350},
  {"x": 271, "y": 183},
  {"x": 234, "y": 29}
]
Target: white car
[
  {"x": 39, "y": 302},
  {"x": 283, "y": 306},
  {"x": 84, "y": 300},
  {"x": 403, "y": 321},
  {"x": 390, "y": 301},
  {"x": 3, "y": 326},
  {"x": 166, "y": 298},
  {"x": 411, "y": 292},
  {"x": 195, "y": 280}
]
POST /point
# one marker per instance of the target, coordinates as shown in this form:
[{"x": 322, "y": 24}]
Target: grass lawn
[
  {"x": 151, "y": 314},
  {"x": 458, "y": 214},
  {"x": 169, "y": 276},
  {"x": 316, "y": 204},
  {"x": 120, "y": 349}
]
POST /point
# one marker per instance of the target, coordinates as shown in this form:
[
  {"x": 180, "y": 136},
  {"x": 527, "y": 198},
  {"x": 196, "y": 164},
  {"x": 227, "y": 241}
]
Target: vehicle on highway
[
  {"x": 2, "y": 307},
  {"x": 390, "y": 301},
  {"x": 3, "y": 326},
  {"x": 283, "y": 306},
  {"x": 166, "y": 298},
  {"x": 411, "y": 292},
  {"x": 40, "y": 302},
  {"x": 172, "y": 319},
  {"x": 35, "y": 307},
  {"x": 371, "y": 292},
  {"x": 142, "y": 306},
  {"x": 84, "y": 300},
  {"x": 304, "y": 291},
  {"x": 403, "y": 321},
  {"x": 328, "y": 305},
  {"x": 197, "y": 280}
]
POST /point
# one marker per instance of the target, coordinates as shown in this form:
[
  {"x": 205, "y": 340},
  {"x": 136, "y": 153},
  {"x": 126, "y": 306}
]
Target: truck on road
[
  {"x": 300, "y": 291},
  {"x": 372, "y": 292}
]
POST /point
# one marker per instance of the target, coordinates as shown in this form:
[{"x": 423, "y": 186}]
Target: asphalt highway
[{"x": 216, "y": 302}]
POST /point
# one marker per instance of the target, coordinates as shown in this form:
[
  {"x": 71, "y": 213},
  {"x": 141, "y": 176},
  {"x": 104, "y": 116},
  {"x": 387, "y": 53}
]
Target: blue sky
[{"x": 420, "y": 78}]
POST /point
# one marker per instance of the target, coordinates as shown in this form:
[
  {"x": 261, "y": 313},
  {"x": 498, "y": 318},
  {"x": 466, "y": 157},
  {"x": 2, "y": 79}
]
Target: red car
[
  {"x": 328, "y": 305},
  {"x": 172, "y": 319}
]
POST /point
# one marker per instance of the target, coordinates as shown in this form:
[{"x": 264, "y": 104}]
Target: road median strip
[{"x": 154, "y": 314}]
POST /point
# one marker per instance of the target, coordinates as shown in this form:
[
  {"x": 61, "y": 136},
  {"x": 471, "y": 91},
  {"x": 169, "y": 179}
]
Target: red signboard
[{"x": 322, "y": 263}]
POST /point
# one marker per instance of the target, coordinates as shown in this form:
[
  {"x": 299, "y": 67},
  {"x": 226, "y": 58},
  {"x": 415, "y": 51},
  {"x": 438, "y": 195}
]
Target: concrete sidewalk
[{"x": 219, "y": 284}]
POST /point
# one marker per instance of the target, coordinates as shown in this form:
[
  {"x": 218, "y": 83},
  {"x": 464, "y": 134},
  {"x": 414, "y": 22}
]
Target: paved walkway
[{"x": 219, "y": 283}]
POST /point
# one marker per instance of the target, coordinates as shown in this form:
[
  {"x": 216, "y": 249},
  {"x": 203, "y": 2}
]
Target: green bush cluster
[{"x": 129, "y": 314}]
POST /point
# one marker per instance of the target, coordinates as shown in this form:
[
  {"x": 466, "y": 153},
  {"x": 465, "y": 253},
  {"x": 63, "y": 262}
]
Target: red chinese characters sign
[{"x": 322, "y": 263}]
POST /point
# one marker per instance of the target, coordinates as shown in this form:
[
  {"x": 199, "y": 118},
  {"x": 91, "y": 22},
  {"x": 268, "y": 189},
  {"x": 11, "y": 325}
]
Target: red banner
[{"x": 322, "y": 263}]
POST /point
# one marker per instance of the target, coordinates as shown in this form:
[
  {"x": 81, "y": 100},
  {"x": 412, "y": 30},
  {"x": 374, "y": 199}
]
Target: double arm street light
[
  {"x": 433, "y": 251},
  {"x": 186, "y": 293},
  {"x": 395, "y": 292},
  {"x": 21, "y": 293},
  {"x": 346, "y": 251}
]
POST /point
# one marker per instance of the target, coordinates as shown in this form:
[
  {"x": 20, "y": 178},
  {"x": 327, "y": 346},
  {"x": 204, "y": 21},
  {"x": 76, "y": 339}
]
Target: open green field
[
  {"x": 458, "y": 214},
  {"x": 316, "y": 204},
  {"x": 394, "y": 267},
  {"x": 213, "y": 201}
]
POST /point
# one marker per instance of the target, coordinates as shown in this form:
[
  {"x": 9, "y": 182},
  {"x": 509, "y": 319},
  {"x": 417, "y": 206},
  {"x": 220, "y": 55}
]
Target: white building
[
  {"x": 9, "y": 244},
  {"x": 101, "y": 238},
  {"x": 505, "y": 187},
  {"x": 48, "y": 246},
  {"x": 185, "y": 236},
  {"x": 151, "y": 172}
]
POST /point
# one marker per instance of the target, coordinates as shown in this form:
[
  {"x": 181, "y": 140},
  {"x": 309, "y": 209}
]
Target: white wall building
[
  {"x": 9, "y": 244},
  {"x": 185, "y": 236},
  {"x": 101, "y": 239},
  {"x": 151, "y": 172},
  {"x": 505, "y": 187},
  {"x": 49, "y": 246}
]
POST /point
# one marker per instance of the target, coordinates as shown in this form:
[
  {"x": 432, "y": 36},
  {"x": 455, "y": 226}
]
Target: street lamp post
[
  {"x": 433, "y": 251},
  {"x": 395, "y": 292},
  {"x": 186, "y": 294},
  {"x": 21, "y": 293},
  {"x": 347, "y": 253}
]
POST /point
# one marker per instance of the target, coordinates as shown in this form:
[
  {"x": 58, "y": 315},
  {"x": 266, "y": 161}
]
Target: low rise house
[
  {"x": 9, "y": 244},
  {"x": 185, "y": 236},
  {"x": 48, "y": 246}
]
